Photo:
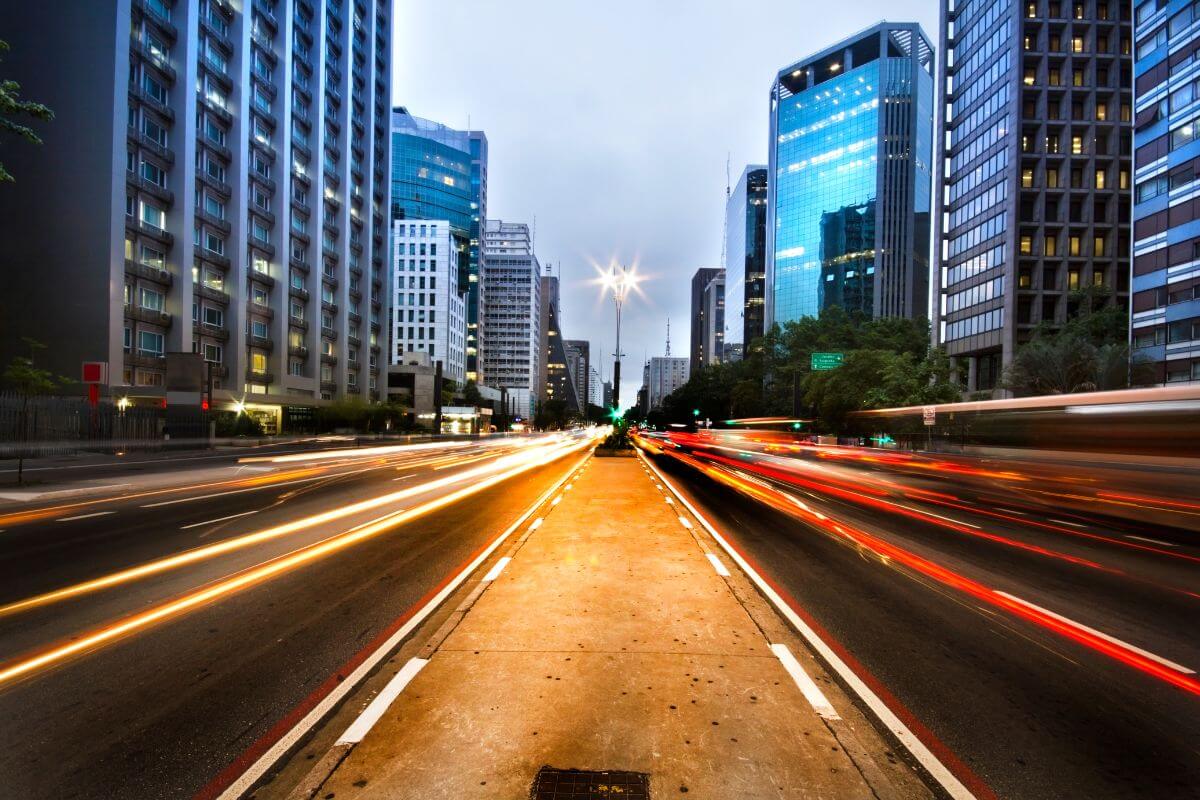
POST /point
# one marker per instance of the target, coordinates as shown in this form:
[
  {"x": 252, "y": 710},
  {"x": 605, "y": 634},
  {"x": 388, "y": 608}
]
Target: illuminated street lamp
[{"x": 619, "y": 281}]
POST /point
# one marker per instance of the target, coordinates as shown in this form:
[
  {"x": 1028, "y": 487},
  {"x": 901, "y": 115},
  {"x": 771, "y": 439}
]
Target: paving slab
[{"x": 609, "y": 642}]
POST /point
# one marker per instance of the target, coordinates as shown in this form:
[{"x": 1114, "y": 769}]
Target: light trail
[
  {"x": 247, "y": 540},
  {"x": 165, "y": 611},
  {"x": 889, "y": 553}
]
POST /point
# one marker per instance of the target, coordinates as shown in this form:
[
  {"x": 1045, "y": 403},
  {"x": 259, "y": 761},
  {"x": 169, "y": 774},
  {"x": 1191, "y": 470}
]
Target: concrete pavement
[{"x": 612, "y": 640}]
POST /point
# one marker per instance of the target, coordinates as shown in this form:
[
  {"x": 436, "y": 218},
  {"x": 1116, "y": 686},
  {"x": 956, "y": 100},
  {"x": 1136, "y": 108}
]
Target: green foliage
[
  {"x": 552, "y": 415},
  {"x": 1089, "y": 353},
  {"x": 888, "y": 362},
  {"x": 22, "y": 376},
  {"x": 618, "y": 439},
  {"x": 13, "y": 107},
  {"x": 358, "y": 415},
  {"x": 231, "y": 423},
  {"x": 472, "y": 395}
]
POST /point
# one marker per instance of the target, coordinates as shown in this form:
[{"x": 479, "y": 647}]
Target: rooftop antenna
[
  {"x": 725, "y": 232},
  {"x": 668, "y": 353}
]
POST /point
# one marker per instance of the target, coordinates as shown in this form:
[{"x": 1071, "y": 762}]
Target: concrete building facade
[
  {"x": 229, "y": 198},
  {"x": 703, "y": 325},
  {"x": 1033, "y": 200},
  {"x": 511, "y": 322},
  {"x": 428, "y": 304}
]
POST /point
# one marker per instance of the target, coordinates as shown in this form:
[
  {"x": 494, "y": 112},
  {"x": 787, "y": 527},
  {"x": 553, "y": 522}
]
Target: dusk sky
[{"x": 611, "y": 126}]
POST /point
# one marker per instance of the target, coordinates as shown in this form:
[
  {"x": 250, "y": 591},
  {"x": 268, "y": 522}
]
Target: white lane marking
[
  {"x": 568, "y": 487},
  {"x": 812, "y": 693},
  {"x": 925, "y": 513},
  {"x": 218, "y": 519},
  {"x": 670, "y": 502},
  {"x": 85, "y": 516},
  {"x": 495, "y": 571},
  {"x": 1129, "y": 536},
  {"x": 556, "y": 500},
  {"x": 1101, "y": 634},
  {"x": 404, "y": 477},
  {"x": 953, "y": 786},
  {"x": 717, "y": 565},
  {"x": 685, "y": 523},
  {"x": 243, "y": 491},
  {"x": 537, "y": 523},
  {"x": 371, "y": 714},
  {"x": 285, "y": 743},
  {"x": 1064, "y": 522}
]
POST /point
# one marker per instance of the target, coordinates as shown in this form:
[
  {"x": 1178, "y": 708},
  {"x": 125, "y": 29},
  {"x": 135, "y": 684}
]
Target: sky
[{"x": 609, "y": 127}]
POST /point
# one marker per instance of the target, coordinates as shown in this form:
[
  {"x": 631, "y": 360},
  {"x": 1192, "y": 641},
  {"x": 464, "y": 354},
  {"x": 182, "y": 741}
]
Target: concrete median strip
[{"x": 614, "y": 643}]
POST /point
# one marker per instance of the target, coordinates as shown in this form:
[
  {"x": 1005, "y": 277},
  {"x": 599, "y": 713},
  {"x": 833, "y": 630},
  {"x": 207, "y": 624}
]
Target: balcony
[
  {"x": 354, "y": 340},
  {"x": 216, "y": 184},
  {"x": 150, "y": 13},
  {"x": 162, "y": 108},
  {"x": 204, "y": 254},
  {"x": 330, "y": 307},
  {"x": 267, "y": 14},
  {"x": 148, "y": 272},
  {"x": 298, "y": 350},
  {"x": 298, "y": 322},
  {"x": 151, "y": 188},
  {"x": 213, "y": 220},
  {"x": 261, "y": 342},
  {"x": 353, "y": 389},
  {"x": 328, "y": 386},
  {"x": 329, "y": 333},
  {"x": 262, "y": 277},
  {"x": 148, "y": 144},
  {"x": 262, "y": 309},
  {"x": 154, "y": 232},
  {"x": 296, "y": 263},
  {"x": 328, "y": 358},
  {"x": 299, "y": 291},
  {"x": 216, "y": 295},
  {"x": 259, "y": 377},
  {"x": 263, "y": 39},
  {"x": 211, "y": 330},
  {"x": 146, "y": 359},
  {"x": 218, "y": 36},
  {"x": 148, "y": 315},
  {"x": 157, "y": 60},
  {"x": 220, "y": 112}
]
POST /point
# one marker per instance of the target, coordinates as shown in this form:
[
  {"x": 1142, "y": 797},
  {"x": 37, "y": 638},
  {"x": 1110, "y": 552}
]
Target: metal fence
[{"x": 46, "y": 426}]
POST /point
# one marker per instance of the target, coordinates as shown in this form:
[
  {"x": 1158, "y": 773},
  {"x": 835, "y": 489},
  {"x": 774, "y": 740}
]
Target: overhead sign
[
  {"x": 929, "y": 413},
  {"x": 823, "y": 361}
]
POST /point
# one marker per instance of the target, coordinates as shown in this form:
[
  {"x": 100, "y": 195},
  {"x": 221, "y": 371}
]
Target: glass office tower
[
  {"x": 439, "y": 173},
  {"x": 1165, "y": 312},
  {"x": 745, "y": 256},
  {"x": 848, "y": 194}
]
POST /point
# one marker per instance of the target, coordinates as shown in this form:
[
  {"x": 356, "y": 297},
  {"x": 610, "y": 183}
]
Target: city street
[
  {"x": 1041, "y": 649},
  {"x": 184, "y": 664}
]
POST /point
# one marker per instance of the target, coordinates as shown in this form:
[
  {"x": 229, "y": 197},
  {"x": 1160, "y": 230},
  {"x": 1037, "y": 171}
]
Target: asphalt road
[
  {"x": 1014, "y": 707},
  {"x": 159, "y": 711}
]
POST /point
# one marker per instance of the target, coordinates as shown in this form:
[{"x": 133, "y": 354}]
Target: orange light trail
[{"x": 168, "y": 610}]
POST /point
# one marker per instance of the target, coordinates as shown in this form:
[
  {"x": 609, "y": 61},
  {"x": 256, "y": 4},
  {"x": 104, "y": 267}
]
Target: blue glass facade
[
  {"x": 745, "y": 256},
  {"x": 1165, "y": 307},
  {"x": 441, "y": 173},
  {"x": 848, "y": 195}
]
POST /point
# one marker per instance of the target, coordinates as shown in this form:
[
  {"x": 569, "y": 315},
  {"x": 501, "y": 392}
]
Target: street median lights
[{"x": 620, "y": 282}]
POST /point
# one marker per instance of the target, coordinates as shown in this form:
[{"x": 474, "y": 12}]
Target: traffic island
[{"x": 609, "y": 651}]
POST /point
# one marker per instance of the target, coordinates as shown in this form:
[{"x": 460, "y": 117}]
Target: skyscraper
[
  {"x": 222, "y": 168},
  {"x": 511, "y": 314},
  {"x": 1034, "y": 145},
  {"x": 554, "y": 374},
  {"x": 439, "y": 173},
  {"x": 578, "y": 367},
  {"x": 1166, "y": 299},
  {"x": 849, "y": 178},
  {"x": 663, "y": 375},
  {"x": 746, "y": 256},
  {"x": 428, "y": 304},
  {"x": 703, "y": 325},
  {"x": 713, "y": 314}
]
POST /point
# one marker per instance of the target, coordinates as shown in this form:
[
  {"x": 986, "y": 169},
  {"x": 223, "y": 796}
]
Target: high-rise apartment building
[
  {"x": 578, "y": 368},
  {"x": 1165, "y": 306},
  {"x": 554, "y": 374},
  {"x": 221, "y": 170},
  {"x": 746, "y": 256},
  {"x": 663, "y": 375},
  {"x": 1033, "y": 201},
  {"x": 849, "y": 178},
  {"x": 704, "y": 325},
  {"x": 511, "y": 323},
  {"x": 595, "y": 391},
  {"x": 428, "y": 304},
  {"x": 439, "y": 173}
]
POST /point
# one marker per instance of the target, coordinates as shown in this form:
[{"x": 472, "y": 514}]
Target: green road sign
[{"x": 827, "y": 360}]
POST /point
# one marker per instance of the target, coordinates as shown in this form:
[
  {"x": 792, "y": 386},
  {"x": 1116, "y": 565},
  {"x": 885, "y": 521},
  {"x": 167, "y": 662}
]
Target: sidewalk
[{"x": 609, "y": 642}]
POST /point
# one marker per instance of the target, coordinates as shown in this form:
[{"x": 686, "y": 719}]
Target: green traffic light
[
  {"x": 795, "y": 426},
  {"x": 695, "y": 412}
]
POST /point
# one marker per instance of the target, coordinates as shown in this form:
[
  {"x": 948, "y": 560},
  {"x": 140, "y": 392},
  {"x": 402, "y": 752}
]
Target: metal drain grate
[{"x": 578, "y": 784}]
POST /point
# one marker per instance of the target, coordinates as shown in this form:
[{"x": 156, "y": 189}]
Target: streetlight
[{"x": 619, "y": 282}]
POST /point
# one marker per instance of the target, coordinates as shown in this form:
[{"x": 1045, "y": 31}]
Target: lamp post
[{"x": 619, "y": 282}]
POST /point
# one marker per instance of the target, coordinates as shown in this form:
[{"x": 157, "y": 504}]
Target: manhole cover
[{"x": 579, "y": 784}]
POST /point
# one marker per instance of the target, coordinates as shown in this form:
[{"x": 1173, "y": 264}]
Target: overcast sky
[{"x": 610, "y": 123}]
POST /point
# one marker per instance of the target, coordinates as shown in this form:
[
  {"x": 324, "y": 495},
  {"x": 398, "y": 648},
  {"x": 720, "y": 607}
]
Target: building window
[{"x": 150, "y": 343}]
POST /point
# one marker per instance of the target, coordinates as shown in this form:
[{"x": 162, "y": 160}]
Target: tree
[
  {"x": 472, "y": 395},
  {"x": 28, "y": 381},
  {"x": 13, "y": 107}
]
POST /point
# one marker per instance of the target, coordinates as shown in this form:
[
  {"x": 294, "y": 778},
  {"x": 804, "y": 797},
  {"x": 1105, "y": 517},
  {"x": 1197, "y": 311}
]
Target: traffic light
[
  {"x": 614, "y": 414},
  {"x": 695, "y": 412},
  {"x": 795, "y": 426}
]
